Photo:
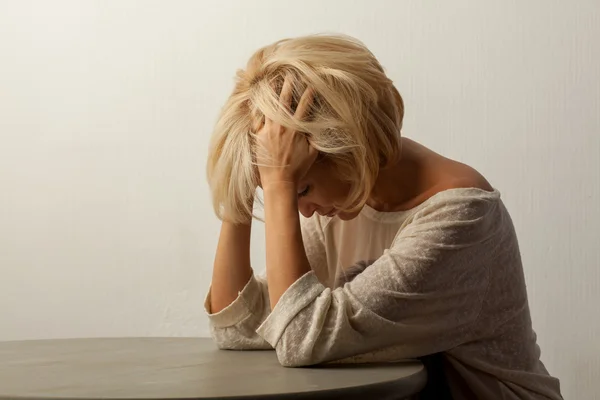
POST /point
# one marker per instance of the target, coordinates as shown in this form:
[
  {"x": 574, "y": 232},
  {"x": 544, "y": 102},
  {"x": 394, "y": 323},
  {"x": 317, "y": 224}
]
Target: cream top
[{"x": 445, "y": 277}]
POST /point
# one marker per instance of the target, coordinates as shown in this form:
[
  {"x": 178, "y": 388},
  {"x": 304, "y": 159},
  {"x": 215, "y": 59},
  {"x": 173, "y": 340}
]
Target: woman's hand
[{"x": 285, "y": 155}]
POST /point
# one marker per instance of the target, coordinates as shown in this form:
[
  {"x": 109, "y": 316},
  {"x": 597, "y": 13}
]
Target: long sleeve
[
  {"x": 451, "y": 281},
  {"x": 421, "y": 297},
  {"x": 234, "y": 327}
]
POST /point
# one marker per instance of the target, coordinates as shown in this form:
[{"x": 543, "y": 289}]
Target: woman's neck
[{"x": 404, "y": 185}]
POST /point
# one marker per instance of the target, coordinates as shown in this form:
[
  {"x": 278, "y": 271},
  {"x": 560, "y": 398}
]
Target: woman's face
[{"x": 320, "y": 190}]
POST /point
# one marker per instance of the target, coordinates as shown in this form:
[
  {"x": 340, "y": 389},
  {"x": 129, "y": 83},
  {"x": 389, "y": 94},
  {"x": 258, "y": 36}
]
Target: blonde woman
[{"x": 399, "y": 252}]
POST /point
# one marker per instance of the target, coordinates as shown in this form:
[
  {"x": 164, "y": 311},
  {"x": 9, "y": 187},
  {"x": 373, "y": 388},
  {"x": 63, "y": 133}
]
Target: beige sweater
[{"x": 445, "y": 276}]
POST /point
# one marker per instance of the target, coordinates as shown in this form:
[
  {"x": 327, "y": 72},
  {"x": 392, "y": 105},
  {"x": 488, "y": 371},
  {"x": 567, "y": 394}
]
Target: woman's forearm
[
  {"x": 231, "y": 270},
  {"x": 285, "y": 254}
]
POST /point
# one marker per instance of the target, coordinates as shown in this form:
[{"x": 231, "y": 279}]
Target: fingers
[
  {"x": 304, "y": 104},
  {"x": 266, "y": 124},
  {"x": 287, "y": 92}
]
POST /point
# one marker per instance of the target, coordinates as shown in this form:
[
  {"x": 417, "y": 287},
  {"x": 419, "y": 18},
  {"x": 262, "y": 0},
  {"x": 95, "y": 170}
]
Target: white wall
[{"x": 106, "y": 108}]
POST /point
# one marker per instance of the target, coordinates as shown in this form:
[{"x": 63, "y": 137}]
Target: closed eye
[{"x": 304, "y": 192}]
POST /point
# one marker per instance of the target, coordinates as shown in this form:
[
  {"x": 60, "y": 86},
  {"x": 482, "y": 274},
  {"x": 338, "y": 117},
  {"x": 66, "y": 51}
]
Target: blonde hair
[{"x": 355, "y": 120}]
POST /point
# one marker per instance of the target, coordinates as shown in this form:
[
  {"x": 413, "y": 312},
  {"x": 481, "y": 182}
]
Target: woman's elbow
[
  {"x": 296, "y": 357},
  {"x": 294, "y": 362},
  {"x": 239, "y": 342},
  {"x": 228, "y": 345}
]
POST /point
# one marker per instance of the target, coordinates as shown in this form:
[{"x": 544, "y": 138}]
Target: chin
[{"x": 344, "y": 216}]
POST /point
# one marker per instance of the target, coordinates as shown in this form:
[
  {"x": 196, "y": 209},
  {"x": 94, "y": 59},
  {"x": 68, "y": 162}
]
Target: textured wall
[{"x": 106, "y": 107}]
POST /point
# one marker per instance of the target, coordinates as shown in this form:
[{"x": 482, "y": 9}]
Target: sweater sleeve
[
  {"x": 421, "y": 297},
  {"x": 234, "y": 327}
]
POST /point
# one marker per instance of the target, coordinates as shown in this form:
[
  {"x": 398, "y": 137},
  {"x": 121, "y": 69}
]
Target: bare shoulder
[
  {"x": 458, "y": 175},
  {"x": 449, "y": 175},
  {"x": 444, "y": 173}
]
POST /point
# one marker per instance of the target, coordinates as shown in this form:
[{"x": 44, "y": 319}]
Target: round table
[{"x": 185, "y": 368}]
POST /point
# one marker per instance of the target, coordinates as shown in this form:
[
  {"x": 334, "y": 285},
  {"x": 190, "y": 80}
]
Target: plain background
[{"x": 106, "y": 108}]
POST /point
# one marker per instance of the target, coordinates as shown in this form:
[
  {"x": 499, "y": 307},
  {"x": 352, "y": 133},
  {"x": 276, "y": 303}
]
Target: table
[{"x": 185, "y": 368}]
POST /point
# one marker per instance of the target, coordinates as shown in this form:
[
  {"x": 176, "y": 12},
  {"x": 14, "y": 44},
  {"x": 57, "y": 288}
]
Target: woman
[{"x": 400, "y": 253}]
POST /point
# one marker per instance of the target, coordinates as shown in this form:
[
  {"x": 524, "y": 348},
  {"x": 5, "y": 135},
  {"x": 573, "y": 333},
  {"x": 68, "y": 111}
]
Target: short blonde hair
[{"x": 355, "y": 120}]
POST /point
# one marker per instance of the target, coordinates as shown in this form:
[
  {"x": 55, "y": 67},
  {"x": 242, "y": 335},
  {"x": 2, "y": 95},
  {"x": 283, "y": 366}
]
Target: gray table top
[{"x": 184, "y": 368}]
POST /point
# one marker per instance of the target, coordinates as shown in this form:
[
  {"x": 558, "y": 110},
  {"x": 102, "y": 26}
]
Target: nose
[{"x": 307, "y": 209}]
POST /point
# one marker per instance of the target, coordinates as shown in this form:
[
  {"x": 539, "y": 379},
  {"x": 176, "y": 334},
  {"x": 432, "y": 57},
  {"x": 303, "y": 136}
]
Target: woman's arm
[
  {"x": 284, "y": 157},
  {"x": 231, "y": 270},
  {"x": 233, "y": 325},
  {"x": 286, "y": 257},
  {"x": 237, "y": 301},
  {"x": 421, "y": 297}
]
